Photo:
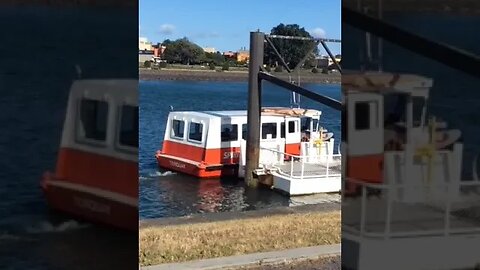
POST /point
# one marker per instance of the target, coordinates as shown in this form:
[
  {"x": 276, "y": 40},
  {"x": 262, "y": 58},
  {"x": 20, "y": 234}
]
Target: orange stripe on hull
[
  {"x": 365, "y": 168},
  {"x": 91, "y": 207},
  {"x": 229, "y": 155},
  {"x": 292, "y": 149},
  {"x": 193, "y": 160},
  {"x": 97, "y": 171},
  {"x": 183, "y": 150},
  {"x": 199, "y": 170}
]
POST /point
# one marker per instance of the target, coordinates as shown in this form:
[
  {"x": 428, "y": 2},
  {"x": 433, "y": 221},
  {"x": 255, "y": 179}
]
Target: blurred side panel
[
  {"x": 411, "y": 196},
  {"x": 69, "y": 135}
]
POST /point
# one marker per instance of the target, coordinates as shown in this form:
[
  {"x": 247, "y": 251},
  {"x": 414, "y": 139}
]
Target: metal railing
[
  {"x": 445, "y": 229},
  {"x": 331, "y": 165}
]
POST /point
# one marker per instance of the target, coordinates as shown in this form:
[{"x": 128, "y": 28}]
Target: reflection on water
[{"x": 177, "y": 195}]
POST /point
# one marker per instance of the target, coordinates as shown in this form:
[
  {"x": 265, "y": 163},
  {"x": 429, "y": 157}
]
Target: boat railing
[
  {"x": 301, "y": 167},
  {"x": 375, "y": 213}
]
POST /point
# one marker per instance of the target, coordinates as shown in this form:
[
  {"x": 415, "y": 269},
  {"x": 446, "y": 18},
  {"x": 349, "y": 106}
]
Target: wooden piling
[{"x": 254, "y": 107}]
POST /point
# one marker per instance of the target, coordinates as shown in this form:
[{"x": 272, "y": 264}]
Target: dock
[{"x": 295, "y": 175}]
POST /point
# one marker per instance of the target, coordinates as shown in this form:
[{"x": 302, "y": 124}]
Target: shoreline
[
  {"x": 225, "y": 216},
  {"x": 228, "y": 76}
]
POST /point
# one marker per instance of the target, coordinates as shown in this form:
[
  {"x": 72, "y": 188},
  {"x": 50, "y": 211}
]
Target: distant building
[
  {"x": 325, "y": 61},
  {"x": 230, "y": 54},
  {"x": 144, "y": 44},
  {"x": 243, "y": 55},
  {"x": 209, "y": 50},
  {"x": 145, "y": 55},
  {"x": 158, "y": 50}
]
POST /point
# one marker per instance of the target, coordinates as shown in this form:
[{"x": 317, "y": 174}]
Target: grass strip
[{"x": 235, "y": 237}]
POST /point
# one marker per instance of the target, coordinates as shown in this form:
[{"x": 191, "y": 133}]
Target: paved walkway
[{"x": 265, "y": 258}]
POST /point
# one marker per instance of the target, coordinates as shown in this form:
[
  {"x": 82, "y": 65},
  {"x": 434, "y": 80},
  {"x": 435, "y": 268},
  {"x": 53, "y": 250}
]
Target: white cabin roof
[
  {"x": 383, "y": 82},
  {"x": 226, "y": 113},
  {"x": 118, "y": 90},
  {"x": 267, "y": 111}
]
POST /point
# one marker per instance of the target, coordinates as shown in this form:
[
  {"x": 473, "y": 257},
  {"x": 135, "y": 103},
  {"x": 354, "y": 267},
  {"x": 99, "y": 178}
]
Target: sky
[{"x": 226, "y": 25}]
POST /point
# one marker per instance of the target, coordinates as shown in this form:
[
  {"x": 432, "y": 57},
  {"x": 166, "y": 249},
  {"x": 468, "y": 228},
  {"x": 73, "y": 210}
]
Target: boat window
[
  {"x": 178, "y": 128},
  {"x": 365, "y": 115},
  {"x": 195, "y": 132},
  {"x": 315, "y": 125},
  {"x": 244, "y": 132},
  {"x": 93, "y": 119},
  {"x": 229, "y": 132},
  {"x": 418, "y": 107},
  {"x": 129, "y": 126},
  {"x": 282, "y": 130},
  {"x": 394, "y": 109},
  {"x": 269, "y": 128},
  {"x": 291, "y": 126},
  {"x": 362, "y": 116},
  {"x": 305, "y": 123}
]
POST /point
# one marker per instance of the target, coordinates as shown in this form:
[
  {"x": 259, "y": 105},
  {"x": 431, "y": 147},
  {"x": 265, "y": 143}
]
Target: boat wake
[
  {"x": 157, "y": 173},
  {"x": 48, "y": 227},
  {"x": 154, "y": 175}
]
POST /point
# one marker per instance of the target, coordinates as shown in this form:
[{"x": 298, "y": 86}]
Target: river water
[{"x": 167, "y": 194}]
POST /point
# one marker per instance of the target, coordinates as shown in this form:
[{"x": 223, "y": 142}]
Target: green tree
[
  {"x": 291, "y": 50},
  {"x": 166, "y": 42},
  {"x": 226, "y": 66},
  {"x": 183, "y": 51},
  {"x": 216, "y": 58}
]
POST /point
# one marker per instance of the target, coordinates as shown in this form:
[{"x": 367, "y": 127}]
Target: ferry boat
[
  {"x": 403, "y": 179},
  {"x": 96, "y": 175},
  {"x": 209, "y": 144}
]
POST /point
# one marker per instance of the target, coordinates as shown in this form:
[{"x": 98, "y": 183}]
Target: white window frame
[
  {"x": 118, "y": 145},
  {"x": 188, "y": 132},
  {"x": 81, "y": 139},
  {"x": 172, "y": 136}
]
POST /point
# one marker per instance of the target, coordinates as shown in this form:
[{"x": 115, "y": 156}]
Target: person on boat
[{"x": 306, "y": 136}]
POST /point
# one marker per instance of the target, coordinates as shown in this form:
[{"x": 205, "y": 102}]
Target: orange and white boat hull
[
  {"x": 92, "y": 204},
  {"x": 196, "y": 169}
]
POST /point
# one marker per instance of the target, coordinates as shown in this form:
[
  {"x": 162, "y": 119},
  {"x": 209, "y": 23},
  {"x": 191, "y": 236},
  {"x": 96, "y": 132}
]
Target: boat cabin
[
  {"x": 389, "y": 139},
  {"x": 96, "y": 175}
]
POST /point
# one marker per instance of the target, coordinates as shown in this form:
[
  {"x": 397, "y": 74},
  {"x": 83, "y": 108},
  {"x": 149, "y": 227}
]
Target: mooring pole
[{"x": 254, "y": 107}]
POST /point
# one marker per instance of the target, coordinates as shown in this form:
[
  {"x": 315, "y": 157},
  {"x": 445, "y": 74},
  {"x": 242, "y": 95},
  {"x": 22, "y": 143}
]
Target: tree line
[{"x": 184, "y": 51}]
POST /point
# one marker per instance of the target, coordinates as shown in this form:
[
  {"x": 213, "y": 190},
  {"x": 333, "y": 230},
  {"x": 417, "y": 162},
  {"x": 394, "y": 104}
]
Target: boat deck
[
  {"x": 409, "y": 218},
  {"x": 309, "y": 169}
]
